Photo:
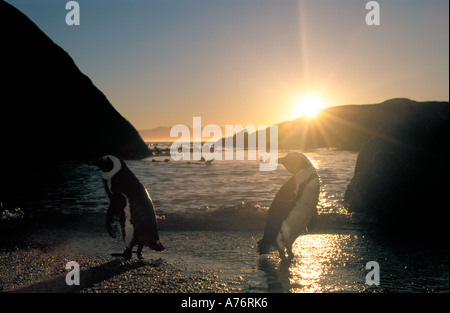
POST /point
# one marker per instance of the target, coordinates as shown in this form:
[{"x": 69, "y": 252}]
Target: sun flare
[{"x": 308, "y": 106}]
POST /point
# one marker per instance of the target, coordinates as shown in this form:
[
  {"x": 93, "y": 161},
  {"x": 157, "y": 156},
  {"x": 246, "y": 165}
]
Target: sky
[{"x": 162, "y": 62}]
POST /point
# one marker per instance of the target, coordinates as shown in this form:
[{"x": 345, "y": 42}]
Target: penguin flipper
[
  {"x": 278, "y": 212},
  {"x": 116, "y": 206}
]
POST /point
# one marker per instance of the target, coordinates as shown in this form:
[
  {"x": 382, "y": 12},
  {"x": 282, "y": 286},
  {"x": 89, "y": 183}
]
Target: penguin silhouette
[
  {"x": 131, "y": 212},
  {"x": 293, "y": 207}
]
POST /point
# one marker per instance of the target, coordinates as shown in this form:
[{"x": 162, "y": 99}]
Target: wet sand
[{"x": 33, "y": 258}]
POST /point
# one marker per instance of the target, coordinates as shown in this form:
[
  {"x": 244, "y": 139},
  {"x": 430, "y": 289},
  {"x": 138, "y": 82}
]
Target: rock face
[
  {"x": 49, "y": 110},
  {"x": 400, "y": 178},
  {"x": 48, "y": 107}
]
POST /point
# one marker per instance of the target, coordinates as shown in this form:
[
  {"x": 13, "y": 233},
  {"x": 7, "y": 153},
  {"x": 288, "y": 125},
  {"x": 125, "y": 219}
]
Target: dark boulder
[
  {"x": 400, "y": 180},
  {"x": 50, "y": 111},
  {"x": 49, "y": 106}
]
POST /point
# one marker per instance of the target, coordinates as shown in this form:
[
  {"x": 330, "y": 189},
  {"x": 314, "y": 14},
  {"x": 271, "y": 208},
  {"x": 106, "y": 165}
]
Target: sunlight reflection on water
[{"x": 322, "y": 263}]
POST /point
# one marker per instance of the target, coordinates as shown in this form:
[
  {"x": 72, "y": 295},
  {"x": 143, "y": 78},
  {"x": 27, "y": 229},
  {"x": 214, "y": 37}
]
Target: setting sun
[{"x": 308, "y": 106}]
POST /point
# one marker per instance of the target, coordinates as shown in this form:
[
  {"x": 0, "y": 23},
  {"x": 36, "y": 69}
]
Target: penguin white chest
[
  {"x": 303, "y": 209},
  {"x": 108, "y": 185},
  {"x": 128, "y": 226}
]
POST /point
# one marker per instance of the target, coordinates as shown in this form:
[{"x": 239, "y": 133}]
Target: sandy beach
[
  {"x": 36, "y": 262},
  {"x": 36, "y": 271}
]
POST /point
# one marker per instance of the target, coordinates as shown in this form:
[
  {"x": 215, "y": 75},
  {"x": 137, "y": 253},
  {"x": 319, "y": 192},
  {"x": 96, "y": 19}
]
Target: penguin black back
[
  {"x": 131, "y": 204},
  {"x": 293, "y": 207}
]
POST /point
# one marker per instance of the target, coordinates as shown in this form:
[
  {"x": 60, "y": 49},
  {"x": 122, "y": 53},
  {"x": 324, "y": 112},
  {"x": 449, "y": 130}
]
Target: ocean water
[
  {"x": 190, "y": 186},
  {"x": 193, "y": 198}
]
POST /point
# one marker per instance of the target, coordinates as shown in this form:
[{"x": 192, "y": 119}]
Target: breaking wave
[{"x": 245, "y": 216}]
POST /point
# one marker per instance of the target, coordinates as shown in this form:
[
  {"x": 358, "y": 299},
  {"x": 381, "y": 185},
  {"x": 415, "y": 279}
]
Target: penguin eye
[{"x": 106, "y": 164}]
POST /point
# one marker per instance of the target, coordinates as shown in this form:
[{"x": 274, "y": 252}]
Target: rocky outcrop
[
  {"x": 50, "y": 111},
  {"x": 401, "y": 174}
]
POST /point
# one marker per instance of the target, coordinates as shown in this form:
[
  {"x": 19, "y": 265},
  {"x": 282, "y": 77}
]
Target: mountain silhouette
[{"x": 345, "y": 127}]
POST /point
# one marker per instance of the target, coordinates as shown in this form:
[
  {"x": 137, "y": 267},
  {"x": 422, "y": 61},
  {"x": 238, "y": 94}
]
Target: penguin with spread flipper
[
  {"x": 131, "y": 212},
  {"x": 293, "y": 207}
]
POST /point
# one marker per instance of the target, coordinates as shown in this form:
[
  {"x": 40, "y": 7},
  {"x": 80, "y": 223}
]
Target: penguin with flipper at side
[
  {"x": 293, "y": 208},
  {"x": 131, "y": 211}
]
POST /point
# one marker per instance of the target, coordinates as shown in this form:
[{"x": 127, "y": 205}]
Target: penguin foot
[
  {"x": 127, "y": 254},
  {"x": 282, "y": 254},
  {"x": 139, "y": 252},
  {"x": 290, "y": 254}
]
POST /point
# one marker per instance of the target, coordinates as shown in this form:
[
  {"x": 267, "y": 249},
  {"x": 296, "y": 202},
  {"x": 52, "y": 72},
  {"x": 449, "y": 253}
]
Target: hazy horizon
[{"x": 234, "y": 62}]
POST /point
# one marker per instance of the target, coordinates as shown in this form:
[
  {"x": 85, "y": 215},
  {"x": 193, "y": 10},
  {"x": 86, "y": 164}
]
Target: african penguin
[
  {"x": 131, "y": 210},
  {"x": 293, "y": 207}
]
